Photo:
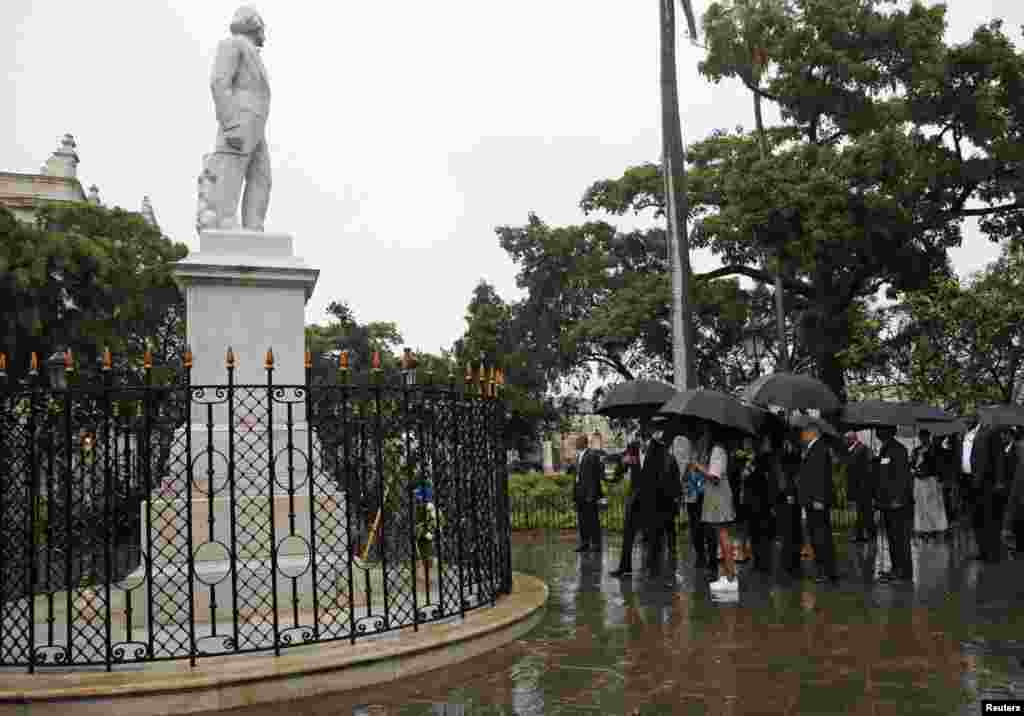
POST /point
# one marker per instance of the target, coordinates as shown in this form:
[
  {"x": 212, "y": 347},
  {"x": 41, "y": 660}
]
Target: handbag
[{"x": 695, "y": 482}]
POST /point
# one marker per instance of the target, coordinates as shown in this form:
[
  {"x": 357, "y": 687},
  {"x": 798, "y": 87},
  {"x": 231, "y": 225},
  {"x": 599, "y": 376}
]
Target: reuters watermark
[{"x": 1002, "y": 706}]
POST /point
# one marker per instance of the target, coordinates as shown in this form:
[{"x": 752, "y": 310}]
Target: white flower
[
  {"x": 429, "y": 536},
  {"x": 431, "y": 509}
]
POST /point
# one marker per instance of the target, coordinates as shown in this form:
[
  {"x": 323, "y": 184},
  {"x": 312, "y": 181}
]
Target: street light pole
[
  {"x": 780, "y": 314},
  {"x": 676, "y": 207}
]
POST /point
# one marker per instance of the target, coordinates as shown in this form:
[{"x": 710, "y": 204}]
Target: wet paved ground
[{"x": 782, "y": 646}]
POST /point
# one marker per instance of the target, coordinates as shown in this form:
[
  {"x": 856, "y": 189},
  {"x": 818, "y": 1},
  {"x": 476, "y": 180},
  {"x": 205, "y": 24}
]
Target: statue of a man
[{"x": 241, "y": 97}]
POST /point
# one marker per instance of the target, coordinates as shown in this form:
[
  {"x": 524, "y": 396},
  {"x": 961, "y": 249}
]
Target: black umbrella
[
  {"x": 925, "y": 414},
  {"x": 881, "y": 413},
  {"x": 792, "y": 391},
  {"x": 1000, "y": 416},
  {"x": 937, "y": 429},
  {"x": 821, "y": 426},
  {"x": 877, "y": 414},
  {"x": 635, "y": 399},
  {"x": 713, "y": 406}
]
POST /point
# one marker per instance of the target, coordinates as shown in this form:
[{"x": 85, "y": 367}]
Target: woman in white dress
[
  {"x": 929, "y": 510},
  {"x": 719, "y": 511}
]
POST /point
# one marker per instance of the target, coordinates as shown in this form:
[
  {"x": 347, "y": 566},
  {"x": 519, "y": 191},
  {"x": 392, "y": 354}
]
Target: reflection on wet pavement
[{"x": 779, "y": 646}]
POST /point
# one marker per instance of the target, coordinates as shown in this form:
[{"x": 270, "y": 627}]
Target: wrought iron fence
[
  {"x": 536, "y": 512},
  {"x": 150, "y": 522}
]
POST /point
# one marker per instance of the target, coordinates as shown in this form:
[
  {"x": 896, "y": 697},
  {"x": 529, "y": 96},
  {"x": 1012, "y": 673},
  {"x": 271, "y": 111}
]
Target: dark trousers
[
  {"x": 1018, "y": 532},
  {"x": 949, "y": 501},
  {"x": 761, "y": 528},
  {"x": 898, "y": 524},
  {"x": 705, "y": 542},
  {"x": 629, "y": 530},
  {"x": 819, "y": 524},
  {"x": 989, "y": 525},
  {"x": 865, "y": 519},
  {"x": 792, "y": 536},
  {"x": 588, "y": 516},
  {"x": 670, "y": 527}
]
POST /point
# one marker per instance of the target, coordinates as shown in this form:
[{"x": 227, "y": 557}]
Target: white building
[{"x": 57, "y": 182}]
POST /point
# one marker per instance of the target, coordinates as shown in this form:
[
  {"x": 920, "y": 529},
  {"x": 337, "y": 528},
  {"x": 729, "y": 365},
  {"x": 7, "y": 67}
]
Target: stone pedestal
[{"x": 245, "y": 290}]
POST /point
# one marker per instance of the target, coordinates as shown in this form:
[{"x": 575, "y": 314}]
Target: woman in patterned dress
[{"x": 719, "y": 511}]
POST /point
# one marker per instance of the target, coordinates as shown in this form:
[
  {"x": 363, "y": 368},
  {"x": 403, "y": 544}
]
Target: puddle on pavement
[{"x": 645, "y": 647}]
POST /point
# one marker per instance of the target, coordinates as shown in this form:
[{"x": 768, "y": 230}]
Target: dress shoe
[{"x": 620, "y": 572}]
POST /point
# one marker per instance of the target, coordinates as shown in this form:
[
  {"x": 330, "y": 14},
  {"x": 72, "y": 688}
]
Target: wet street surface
[{"x": 781, "y": 646}]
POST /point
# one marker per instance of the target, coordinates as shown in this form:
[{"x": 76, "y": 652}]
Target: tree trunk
[{"x": 676, "y": 207}]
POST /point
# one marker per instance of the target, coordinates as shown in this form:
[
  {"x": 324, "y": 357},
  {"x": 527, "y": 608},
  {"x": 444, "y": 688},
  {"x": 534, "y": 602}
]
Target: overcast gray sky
[{"x": 398, "y": 142}]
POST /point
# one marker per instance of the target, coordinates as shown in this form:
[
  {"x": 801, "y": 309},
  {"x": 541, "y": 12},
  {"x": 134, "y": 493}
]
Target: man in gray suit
[{"x": 241, "y": 98}]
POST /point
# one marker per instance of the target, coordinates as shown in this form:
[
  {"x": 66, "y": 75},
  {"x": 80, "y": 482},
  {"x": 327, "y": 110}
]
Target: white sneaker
[{"x": 724, "y": 584}]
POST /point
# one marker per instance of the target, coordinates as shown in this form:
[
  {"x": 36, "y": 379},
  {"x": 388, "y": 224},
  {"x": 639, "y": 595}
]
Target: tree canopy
[
  {"x": 890, "y": 139},
  {"x": 85, "y": 277}
]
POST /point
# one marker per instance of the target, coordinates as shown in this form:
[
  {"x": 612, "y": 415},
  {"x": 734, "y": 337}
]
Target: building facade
[{"x": 56, "y": 183}]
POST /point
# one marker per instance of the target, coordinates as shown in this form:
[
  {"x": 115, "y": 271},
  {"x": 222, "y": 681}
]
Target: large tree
[
  {"x": 963, "y": 345},
  {"x": 880, "y": 156},
  {"x": 84, "y": 277},
  {"x": 597, "y": 298},
  {"x": 499, "y": 335}
]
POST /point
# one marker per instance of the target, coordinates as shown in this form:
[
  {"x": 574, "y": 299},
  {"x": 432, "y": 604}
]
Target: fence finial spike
[
  {"x": 343, "y": 360},
  {"x": 108, "y": 359},
  {"x": 147, "y": 359},
  {"x": 308, "y": 360},
  {"x": 187, "y": 360},
  {"x": 268, "y": 361},
  {"x": 3, "y": 363},
  {"x": 229, "y": 360},
  {"x": 69, "y": 361},
  {"x": 376, "y": 360},
  {"x": 33, "y": 365}
]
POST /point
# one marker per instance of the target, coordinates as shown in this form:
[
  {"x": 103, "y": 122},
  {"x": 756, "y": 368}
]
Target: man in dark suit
[
  {"x": 788, "y": 507},
  {"x": 641, "y": 512},
  {"x": 860, "y": 486},
  {"x": 817, "y": 496},
  {"x": 991, "y": 461},
  {"x": 895, "y": 498},
  {"x": 587, "y": 493}
]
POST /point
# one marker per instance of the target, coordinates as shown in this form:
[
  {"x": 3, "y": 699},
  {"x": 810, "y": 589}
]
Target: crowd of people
[{"x": 739, "y": 505}]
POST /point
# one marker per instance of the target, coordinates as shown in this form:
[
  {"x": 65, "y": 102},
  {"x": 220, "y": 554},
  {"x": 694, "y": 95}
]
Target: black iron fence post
[
  {"x": 81, "y": 466},
  {"x": 271, "y": 480}
]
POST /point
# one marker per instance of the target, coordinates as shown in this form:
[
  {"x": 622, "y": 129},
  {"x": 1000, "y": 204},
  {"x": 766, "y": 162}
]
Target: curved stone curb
[{"x": 219, "y": 683}]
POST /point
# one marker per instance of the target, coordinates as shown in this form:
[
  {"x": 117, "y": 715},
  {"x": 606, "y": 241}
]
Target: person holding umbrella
[
  {"x": 719, "y": 511},
  {"x": 860, "y": 486},
  {"x": 817, "y": 495},
  {"x": 761, "y": 489},
  {"x": 929, "y": 512},
  {"x": 642, "y": 506},
  {"x": 788, "y": 507},
  {"x": 895, "y": 498}
]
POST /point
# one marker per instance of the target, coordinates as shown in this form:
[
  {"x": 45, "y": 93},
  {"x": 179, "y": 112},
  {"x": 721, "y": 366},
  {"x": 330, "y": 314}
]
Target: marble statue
[{"x": 241, "y": 98}]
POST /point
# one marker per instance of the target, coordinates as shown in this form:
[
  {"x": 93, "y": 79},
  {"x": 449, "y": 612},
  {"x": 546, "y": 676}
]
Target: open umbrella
[
  {"x": 807, "y": 422},
  {"x": 937, "y": 429},
  {"x": 925, "y": 414},
  {"x": 999, "y": 416},
  {"x": 792, "y": 391},
  {"x": 713, "y": 406},
  {"x": 635, "y": 399},
  {"x": 880, "y": 413},
  {"x": 877, "y": 413}
]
